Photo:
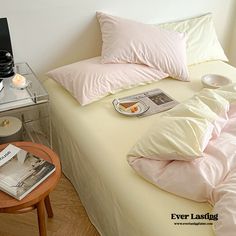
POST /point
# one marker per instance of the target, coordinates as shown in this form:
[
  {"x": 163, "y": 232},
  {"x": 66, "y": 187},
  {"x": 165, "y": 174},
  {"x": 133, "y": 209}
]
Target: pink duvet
[{"x": 213, "y": 175}]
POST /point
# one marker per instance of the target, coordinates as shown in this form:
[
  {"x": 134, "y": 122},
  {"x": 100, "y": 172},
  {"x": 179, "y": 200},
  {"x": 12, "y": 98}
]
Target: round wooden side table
[{"x": 39, "y": 197}]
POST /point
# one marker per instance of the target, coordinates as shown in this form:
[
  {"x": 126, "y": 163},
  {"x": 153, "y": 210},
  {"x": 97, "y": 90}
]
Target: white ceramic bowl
[{"x": 215, "y": 81}]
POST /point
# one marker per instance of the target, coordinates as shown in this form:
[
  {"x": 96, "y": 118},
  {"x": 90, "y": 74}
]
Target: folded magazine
[
  {"x": 21, "y": 171},
  {"x": 150, "y": 102}
]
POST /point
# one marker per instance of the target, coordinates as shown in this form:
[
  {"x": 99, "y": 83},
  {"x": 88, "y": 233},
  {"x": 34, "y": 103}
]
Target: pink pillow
[
  {"x": 126, "y": 41},
  {"x": 90, "y": 80}
]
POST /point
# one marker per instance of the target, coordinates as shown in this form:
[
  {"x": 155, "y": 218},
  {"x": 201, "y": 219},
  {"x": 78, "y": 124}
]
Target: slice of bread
[{"x": 128, "y": 106}]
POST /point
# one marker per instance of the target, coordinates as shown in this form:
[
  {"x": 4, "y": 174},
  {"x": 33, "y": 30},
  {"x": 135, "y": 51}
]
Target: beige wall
[{"x": 51, "y": 33}]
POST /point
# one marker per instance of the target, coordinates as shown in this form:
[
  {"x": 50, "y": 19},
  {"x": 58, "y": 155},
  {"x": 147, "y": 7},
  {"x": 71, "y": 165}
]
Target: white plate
[
  {"x": 142, "y": 107},
  {"x": 215, "y": 81}
]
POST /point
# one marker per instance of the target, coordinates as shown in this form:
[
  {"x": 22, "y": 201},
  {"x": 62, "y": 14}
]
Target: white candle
[{"x": 19, "y": 81}]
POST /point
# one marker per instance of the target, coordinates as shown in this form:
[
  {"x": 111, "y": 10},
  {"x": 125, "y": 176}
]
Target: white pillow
[
  {"x": 183, "y": 132},
  {"x": 202, "y": 42},
  {"x": 173, "y": 138},
  {"x": 89, "y": 80},
  {"x": 127, "y": 41},
  {"x": 206, "y": 104},
  {"x": 228, "y": 92}
]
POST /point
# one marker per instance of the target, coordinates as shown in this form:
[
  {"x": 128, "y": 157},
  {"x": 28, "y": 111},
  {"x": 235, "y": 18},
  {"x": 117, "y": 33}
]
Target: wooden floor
[{"x": 70, "y": 218}]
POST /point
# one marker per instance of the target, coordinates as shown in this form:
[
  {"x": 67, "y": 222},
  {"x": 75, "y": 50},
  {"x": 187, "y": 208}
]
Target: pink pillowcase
[
  {"x": 126, "y": 41},
  {"x": 89, "y": 80}
]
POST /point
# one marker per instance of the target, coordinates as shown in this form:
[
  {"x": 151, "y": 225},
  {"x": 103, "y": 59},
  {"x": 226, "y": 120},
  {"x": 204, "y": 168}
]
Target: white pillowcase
[
  {"x": 173, "y": 138},
  {"x": 127, "y": 41},
  {"x": 89, "y": 80},
  {"x": 183, "y": 132},
  {"x": 208, "y": 105},
  {"x": 202, "y": 42}
]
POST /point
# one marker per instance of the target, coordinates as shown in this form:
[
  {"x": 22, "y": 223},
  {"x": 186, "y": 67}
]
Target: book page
[{"x": 8, "y": 153}]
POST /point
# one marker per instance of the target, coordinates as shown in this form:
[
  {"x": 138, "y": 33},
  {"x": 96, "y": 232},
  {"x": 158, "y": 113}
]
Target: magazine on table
[
  {"x": 148, "y": 103},
  {"x": 21, "y": 171}
]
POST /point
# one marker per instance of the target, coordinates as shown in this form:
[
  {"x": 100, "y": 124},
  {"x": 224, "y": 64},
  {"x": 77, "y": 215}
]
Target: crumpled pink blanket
[{"x": 213, "y": 175}]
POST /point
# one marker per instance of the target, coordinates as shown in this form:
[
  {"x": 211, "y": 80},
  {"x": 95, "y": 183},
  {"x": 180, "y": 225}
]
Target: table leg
[
  {"x": 48, "y": 206},
  {"x": 41, "y": 218}
]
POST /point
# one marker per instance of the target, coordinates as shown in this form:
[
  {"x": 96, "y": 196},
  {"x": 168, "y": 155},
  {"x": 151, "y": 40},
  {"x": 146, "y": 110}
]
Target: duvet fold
[{"x": 195, "y": 144}]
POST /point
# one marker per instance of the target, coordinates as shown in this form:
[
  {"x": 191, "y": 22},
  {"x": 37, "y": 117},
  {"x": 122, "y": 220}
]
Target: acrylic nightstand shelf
[{"x": 30, "y": 105}]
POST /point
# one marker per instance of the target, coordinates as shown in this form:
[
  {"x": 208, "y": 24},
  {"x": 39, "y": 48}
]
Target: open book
[
  {"x": 152, "y": 101},
  {"x": 21, "y": 172}
]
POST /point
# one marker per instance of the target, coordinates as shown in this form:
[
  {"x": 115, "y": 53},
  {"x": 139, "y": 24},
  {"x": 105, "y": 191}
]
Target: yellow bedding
[{"x": 93, "y": 141}]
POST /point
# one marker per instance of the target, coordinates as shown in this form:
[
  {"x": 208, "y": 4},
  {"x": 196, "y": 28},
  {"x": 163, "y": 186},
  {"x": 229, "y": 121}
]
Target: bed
[{"x": 93, "y": 140}]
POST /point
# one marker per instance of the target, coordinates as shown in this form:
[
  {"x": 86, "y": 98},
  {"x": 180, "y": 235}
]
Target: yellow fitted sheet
[{"x": 93, "y": 141}]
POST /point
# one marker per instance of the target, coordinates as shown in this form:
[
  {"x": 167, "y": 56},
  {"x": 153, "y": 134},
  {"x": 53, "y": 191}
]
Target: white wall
[{"x": 50, "y": 33}]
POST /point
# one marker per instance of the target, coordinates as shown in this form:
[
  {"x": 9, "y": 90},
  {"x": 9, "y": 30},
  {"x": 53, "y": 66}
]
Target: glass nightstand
[{"x": 30, "y": 105}]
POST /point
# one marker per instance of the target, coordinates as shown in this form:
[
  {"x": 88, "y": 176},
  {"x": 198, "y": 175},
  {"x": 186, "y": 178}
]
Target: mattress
[{"x": 92, "y": 142}]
